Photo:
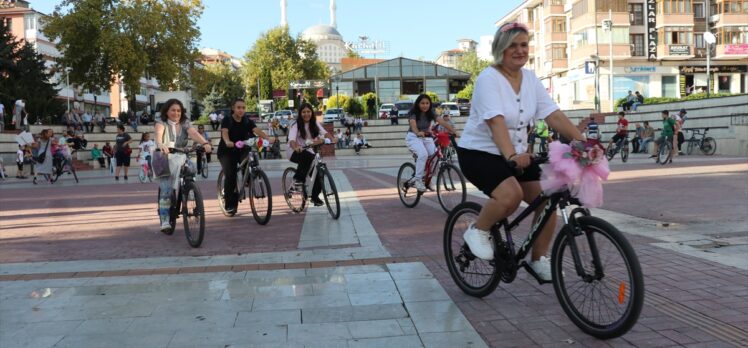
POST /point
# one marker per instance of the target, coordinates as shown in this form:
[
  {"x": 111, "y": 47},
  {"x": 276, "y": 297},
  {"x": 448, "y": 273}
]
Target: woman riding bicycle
[
  {"x": 172, "y": 131},
  {"x": 234, "y": 128},
  {"x": 506, "y": 99},
  {"x": 306, "y": 129},
  {"x": 420, "y": 117}
]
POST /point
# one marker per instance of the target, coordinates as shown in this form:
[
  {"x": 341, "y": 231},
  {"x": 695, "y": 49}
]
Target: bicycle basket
[{"x": 442, "y": 139}]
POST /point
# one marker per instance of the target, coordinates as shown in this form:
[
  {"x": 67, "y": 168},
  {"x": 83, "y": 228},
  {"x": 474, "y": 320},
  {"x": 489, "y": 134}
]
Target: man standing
[
  {"x": 541, "y": 131},
  {"x": 680, "y": 119},
  {"x": 622, "y": 130},
  {"x": 668, "y": 129},
  {"x": 213, "y": 120},
  {"x": 19, "y": 109}
]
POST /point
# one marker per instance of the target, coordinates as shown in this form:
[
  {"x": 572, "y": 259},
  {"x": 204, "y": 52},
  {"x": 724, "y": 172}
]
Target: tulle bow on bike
[{"x": 578, "y": 167}]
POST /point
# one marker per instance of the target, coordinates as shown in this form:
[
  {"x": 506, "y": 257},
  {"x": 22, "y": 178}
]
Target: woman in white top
[
  {"x": 306, "y": 129},
  {"x": 506, "y": 99}
]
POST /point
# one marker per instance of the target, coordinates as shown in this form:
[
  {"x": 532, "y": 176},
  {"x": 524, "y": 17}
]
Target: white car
[
  {"x": 332, "y": 115},
  {"x": 452, "y": 108},
  {"x": 384, "y": 110}
]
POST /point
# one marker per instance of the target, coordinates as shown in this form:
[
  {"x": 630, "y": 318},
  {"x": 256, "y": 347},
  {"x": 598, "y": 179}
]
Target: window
[
  {"x": 698, "y": 10},
  {"x": 579, "y": 9},
  {"x": 698, "y": 40},
  {"x": 558, "y": 51},
  {"x": 732, "y": 35},
  {"x": 637, "y": 45},
  {"x": 30, "y": 22},
  {"x": 676, "y": 35},
  {"x": 559, "y": 25},
  {"x": 636, "y": 14},
  {"x": 669, "y": 86},
  {"x": 531, "y": 15},
  {"x": 675, "y": 6},
  {"x": 615, "y": 5},
  {"x": 554, "y": 2}
]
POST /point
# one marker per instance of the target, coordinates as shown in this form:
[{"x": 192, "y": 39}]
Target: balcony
[
  {"x": 582, "y": 53},
  {"x": 589, "y": 20},
  {"x": 728, "y": 19},
  {"x": 731, "y": 51},
  {"x": 674, "y": 19},
  {"x": 554, "y": 37},
  {"x": 554, "y": 10},
  {"x": 675, "y": 52}
]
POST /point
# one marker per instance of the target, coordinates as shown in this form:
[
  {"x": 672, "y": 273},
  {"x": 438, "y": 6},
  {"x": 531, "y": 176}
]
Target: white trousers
[{"x": 423, "y": 148}]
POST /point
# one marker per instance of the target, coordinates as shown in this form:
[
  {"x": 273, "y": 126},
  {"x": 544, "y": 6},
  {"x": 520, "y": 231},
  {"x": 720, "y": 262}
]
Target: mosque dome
[{"x": 321, "y": 32}]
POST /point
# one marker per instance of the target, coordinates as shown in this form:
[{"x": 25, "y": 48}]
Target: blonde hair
[{"x": 503, "y": 39}]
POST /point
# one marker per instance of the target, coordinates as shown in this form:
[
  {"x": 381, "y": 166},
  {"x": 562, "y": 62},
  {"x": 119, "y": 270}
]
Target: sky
[{"x": 413, "y": 28}]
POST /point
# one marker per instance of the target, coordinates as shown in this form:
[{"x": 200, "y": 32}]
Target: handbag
[
  {"x": 43, "y": 154},
  {"x": 128, "y": 150},
  {"x": 160, "y": 164}
]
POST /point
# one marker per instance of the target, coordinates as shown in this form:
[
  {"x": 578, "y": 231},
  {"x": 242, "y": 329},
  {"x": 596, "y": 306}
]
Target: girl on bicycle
[
  {"x": 306, "y": 129},
  {"x": 146, "y": 147},
  {"x": 172, "y": 131},
  {"x": 506, "y": 99},
  {"x": 418, "y": 137},
  {"x": 234, "y": 128}
]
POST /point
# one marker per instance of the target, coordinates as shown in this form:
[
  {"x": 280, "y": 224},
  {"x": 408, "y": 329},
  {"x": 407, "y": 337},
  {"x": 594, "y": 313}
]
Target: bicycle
[
  {"x": 145, "y": 174},
  {"x": 60, "y": 165},
  {"x": 252, "y": 183},
  {"x": 204, "y": 166},
  {"x": 296, "y": 197},
  {"x": 187, "y": 200},
  {"x": 584, "y": 247},
  {"x": 706, "y": 144},
  {"x": 450, "y": 183},
  {"x": 621, "y": 145},
  {"x": 665, "y": 152}
]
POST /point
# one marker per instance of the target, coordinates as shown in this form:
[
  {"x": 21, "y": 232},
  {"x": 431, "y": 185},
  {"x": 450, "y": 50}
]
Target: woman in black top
[
  {"x": 234, "y": 128},
  {"x": 121, "y": 149}
]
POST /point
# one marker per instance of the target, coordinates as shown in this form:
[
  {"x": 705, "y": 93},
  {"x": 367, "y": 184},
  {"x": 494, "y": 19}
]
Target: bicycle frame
[{"x": 316, "y": 164}]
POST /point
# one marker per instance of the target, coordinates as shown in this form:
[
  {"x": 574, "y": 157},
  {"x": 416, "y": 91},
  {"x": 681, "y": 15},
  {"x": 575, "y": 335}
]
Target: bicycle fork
[{"x": 573, "y": 230}]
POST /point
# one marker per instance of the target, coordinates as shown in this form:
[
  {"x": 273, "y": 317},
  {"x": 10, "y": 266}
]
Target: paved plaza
[{"x": 83, "y": 265}]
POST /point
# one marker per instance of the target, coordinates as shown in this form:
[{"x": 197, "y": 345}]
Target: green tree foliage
[
  {"x": 222, "y": 78},
  {"x": 354, "y": 107},
  {"x": 24, "y": 76},
  {"x": 365, "y": 101},
  {"x": 333, "y": 101},
  {"x": 434, "y": 97},
  {"x": 266, "y": 85},
  {"x": 212, "y": 102},
  {"x": 103, "y": 40},
  {"x": 467, "y": 92},
  {"x": 470, "y": 63},
  {"x": 282, "y": 57}
]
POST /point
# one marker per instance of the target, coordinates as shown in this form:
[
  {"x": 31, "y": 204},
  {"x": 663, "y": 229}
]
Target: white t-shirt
[
  {"x": 19, "y": 106},
  {"x": 213, "y": 116},
  {"x": 293, "y": 134},
  {"x": 147, "y": 147},
  {"x": 494, "y": 96},
  {"x": 2, "y": 109}
]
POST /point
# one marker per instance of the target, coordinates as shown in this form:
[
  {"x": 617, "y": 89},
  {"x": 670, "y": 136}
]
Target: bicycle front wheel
[
  {"x": 260, "y": 197},
  {"x": 331, "y": 194},
  {"x": 709, "y": 146},
  {"x": 221, "y": 196},
  {"x": 476, "y": 277},
  {"x": 450, "y": 187},
  {"x": 692, "y": 144},
  {"x": 142, "y": 175},
  {"x": 625, "y": 153},
  {"x": 663, "y": 157},
  {"x": 204, "y": 167},
  {"x": 193, "y": 214},
  {"x": 610, "y": 151},
  {"x": 604, "y": 294},
  {"x": 295, "y": 196},
  {"x": 406, "y": 187}
]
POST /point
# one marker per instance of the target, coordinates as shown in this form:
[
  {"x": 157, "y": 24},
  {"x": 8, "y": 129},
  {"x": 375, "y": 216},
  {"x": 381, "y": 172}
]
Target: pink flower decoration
[{"x": 577, "y": 168}]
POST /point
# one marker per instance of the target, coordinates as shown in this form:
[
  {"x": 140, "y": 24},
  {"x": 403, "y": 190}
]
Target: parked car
[
  {"x": 384, "y": 110},
  {"x": 464, "y": 105},
  {"x": 332, "y": 115},
  {"x": 452, "y": 108},
  {"x": 284, "y": 114},
  {"x": 403, "y": 107}
]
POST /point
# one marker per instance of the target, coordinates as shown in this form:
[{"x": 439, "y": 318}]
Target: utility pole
[{"x": 607, "y": 25}]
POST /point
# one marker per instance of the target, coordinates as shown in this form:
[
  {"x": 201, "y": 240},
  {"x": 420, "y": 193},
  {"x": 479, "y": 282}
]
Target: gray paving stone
[
  {"x": 345, "y": 270},
  {"x": 194, "y": 322},
  {"x": 421, "y": 290},
  {"x": 373, "y": 298},
  {"x": 267, "y": 334},
  {"x": 375, "y": 328},
  {"x": 12, "y": 329},
  {"x": 152, "y": 339},
  {"x": 37, "y": 341},
  {"x": 312, "y": 333},
  {"x": 331, "y": 300},
  {"x": 437, "y": 316},
  {"x": 102, "y": 326},
  {"x": 275, "y": 317},
  {"x": 410, "y": 270},
  {"x": 398, "y": 341},
  {"x": 466, "y": 338},
  {"x": 327, "y": 344},
  {"x": 353, "y": 313}
]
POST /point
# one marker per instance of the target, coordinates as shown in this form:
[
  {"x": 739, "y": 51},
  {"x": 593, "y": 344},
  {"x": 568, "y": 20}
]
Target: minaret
[
  {"x": 333, "y": 21},
  {"x": 284, "y": 20}
]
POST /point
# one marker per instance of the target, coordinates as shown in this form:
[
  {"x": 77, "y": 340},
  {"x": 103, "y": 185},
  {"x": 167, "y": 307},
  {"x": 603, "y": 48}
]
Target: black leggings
[
  {"x": 230, "y": 159},
  {"x": 304, "y": 159}
]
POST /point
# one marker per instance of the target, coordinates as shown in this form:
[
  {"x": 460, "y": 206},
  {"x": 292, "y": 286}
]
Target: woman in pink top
[{"x": 306, "y": 130}]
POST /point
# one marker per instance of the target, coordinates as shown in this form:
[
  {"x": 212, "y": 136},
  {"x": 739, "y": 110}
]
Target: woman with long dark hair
[
  {"x": 234, "y": 128},
  {"x": 172, "y": 131},
  {"x": 420, "y": 118},
  {"x": 305, "y": 130}
]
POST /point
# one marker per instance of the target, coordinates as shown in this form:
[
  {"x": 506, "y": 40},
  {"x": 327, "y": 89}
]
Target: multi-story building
[
  {"x": 210, "y": 56},
  {"x": 658, "y": 47},
  {"x": 450, "y": 58},
  {"x": 26, "y": 24}
]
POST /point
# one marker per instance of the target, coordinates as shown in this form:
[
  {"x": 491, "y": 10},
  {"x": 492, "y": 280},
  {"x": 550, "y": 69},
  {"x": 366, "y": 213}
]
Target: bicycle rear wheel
[
  {"x": 142, "y": 175},
  {"x": 610, "y": 151},
  {"x": 709, "y": 146},
  {"x": 450, "y": 187},
  {"x": 331, "y": 193},
  {"x": 606, "y": 300},
  {"x": 406, "y": 187},
  {"x": 625, "y": 153},
  {"x": 663, "y": 157},
  {"x": 204, "y": 167},
  {"x": 193, "y": 214},
  {"x": 260, "y": 197},
  {"x": 295, "y": 196},
  {"x": 476, "y": 277},
  {"x": 221, "y": 198},
  {"x": 692, "y": 144}
]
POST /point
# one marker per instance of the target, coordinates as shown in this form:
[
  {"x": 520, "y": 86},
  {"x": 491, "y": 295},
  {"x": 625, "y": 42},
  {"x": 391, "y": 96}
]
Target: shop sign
[
  {"x": 736, "y": 49},
  {"x": 690, "y": 70},
  {"x": 680, "y": 50},
  {"x": 652, "y": 29},
  {"x": 306, "y": 84},
  {"x": 634, "y": 69}
]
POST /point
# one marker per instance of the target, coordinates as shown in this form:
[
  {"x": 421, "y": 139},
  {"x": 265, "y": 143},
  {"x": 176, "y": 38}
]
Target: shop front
[{"x": 725, "y": 79}]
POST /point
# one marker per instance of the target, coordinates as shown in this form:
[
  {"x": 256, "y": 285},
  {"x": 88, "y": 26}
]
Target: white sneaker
[
  {"x": 420, "y": 186},
  {"x": 479, "y": 242},
  {"x": 542, "y": 268},
  {"x": 165, "y": 226}
]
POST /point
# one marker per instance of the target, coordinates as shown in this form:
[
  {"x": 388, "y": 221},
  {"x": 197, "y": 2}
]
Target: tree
[
  {"x": 467, "y": 92},
  {"x": 434, "y": 97},
  {"x": 25, "y": 76},
  {"x": 470, "y": 63},
  {"x": 106, "y": 40},
  {"x": 222, "y": 78},
  {"x": 352, "y": 54},
  {"x": 266, "y": 85},
  {"x": 335, "y": 102},
  {"x": 354, "y": 107},
  {"x": 284, "y": 59},
  {"x": 212, "y": 102},
  {"x": 370, "y": 103}
]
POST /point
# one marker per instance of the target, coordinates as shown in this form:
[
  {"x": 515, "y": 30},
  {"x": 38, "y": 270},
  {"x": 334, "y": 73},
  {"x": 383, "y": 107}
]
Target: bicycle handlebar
[
  {"x": 538, "y": 158},
  {"x": 186, "y": 150}
]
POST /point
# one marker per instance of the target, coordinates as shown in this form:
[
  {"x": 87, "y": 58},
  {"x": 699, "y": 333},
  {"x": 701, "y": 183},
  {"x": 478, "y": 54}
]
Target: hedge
[{"x": 660, "y": 100}]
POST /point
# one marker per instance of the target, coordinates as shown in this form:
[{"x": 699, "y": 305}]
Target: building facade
[
  {"x": 210, "y": 56},
  {"x": 398, "y": 78},
  {"x": 450, "y": 58},
  {"x": 657, "y": 47}
]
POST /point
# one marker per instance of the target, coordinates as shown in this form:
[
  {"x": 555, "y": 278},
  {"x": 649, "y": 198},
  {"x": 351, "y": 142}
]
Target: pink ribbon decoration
[{"x": 578, "y": 168}]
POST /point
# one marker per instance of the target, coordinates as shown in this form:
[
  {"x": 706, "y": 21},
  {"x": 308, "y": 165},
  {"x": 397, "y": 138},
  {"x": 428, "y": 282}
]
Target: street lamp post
[
  {"x": 67, "y": 83},
  {"x": 597, "y": 81},
  {"x": 608, "y": 26}
]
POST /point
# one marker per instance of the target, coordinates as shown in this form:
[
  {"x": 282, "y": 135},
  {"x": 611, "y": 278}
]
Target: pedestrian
[
  {"x": 505, "y": 100},
  {"x": 213, "y": 120},
  {"x": 630, "y": 99},
  {"x": 647, "y": 137},
  {"x": 393, "y": 116},
  {"x": 236, "y": 127},
  {"x": 206, "y": 136},
  {"x": 541, "y": 132},
  {"x": 347, "y": 138},
  {"x": 133, "y": 119},
  {"x": 97, "y": 155},
  {"x": 19, "y": 162},
  {"x": 2, "y": 117},
  {"x": 146, "y": 146},
  {"x": 339, "y": 136},
  {"x": 77, "y": 121},
  {"x": 87, "y": 124},
  {"x": 420, "y": 118},
  {"x": 668, "y": 130},
  {"x": 44, "y": 146},
  {"x": 680, "y": 117},
  {"x": 19, "y": 110},
  {"x": 122, "y": 151},
  {"x": 360, "y": 142},
  {"x": 636, "y": 142},
  {"x": 622, "y": 129},
  {"x": 173, "y": 130}
]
